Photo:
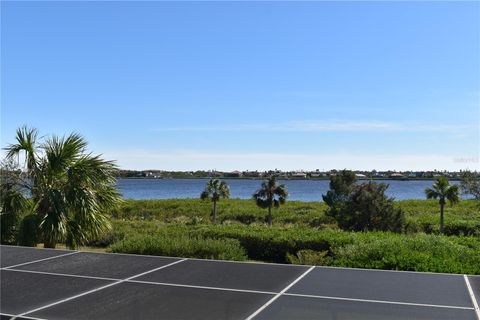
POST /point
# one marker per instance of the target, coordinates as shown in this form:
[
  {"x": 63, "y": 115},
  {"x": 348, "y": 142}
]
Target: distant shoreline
[{"x": 280, "y": 178}]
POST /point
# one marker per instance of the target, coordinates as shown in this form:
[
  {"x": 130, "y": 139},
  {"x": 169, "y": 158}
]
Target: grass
[{"x": 421, "y": 215}]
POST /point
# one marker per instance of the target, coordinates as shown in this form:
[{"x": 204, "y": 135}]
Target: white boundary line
[
  {"x": 169, "y": 257},
  {"x": 269, "y": 302},
  {"x": 63, "y": 274},
  {"x": 145, "y": 282},
  {"x": 377, "y": 301},
  {"x": 40, "y": 260},
  {"x": 472, "y": 296},
  {"x": 26, "y": 317},
  {"x": 201, "y": 287},
  {"x": 395, "y": 271},
  {"x": 97, "y": 289}
]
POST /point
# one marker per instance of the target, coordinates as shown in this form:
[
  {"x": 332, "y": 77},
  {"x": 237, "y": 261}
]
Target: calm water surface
[{"x": 304, "y": 190}]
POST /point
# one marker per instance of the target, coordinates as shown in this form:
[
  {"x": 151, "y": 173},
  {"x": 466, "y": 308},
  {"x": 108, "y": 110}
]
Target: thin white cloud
[
  {"x": 200, "y": 160},
  {"x": 324, "y": 126}
]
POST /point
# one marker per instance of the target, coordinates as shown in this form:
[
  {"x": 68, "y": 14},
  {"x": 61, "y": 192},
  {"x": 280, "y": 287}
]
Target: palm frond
[
  {"x": 431, "y": 193},
  {"x": 26, "y": 141},
  {"x": 215, "y": 189}
]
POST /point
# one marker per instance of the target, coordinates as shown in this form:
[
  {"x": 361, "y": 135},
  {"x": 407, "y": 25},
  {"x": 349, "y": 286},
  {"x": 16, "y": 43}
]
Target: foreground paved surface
[{"x": 62, "y": 284}]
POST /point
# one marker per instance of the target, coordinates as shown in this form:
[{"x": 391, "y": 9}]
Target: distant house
[
  {"x": 251, "y": 174},
  {"x": 316, "y": 174},
  {"x": 214, "y": 174},
  {"x": 397, "y": 176},
  {"x": 299, "y": 175},
  {"x": 360, "y": 176},
  {"x": 233, "y": 174}
]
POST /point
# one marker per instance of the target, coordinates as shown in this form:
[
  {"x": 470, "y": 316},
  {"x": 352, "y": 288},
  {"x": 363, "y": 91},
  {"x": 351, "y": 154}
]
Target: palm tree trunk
[
  {"x": 214, "y": 212},
  {"x": 269, "y": 217},
  {"x": 441, "y": 218}
]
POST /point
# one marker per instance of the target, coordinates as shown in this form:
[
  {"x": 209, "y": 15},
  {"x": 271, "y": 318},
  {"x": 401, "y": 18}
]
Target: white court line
[
  {"x": 98, "y": 289},
  {"x": 395, "y": 271},
  {"x": 279, "y": 294},
  {"x": 26, "y": 317},
  {"x": 201, "y": 287},
  {"x": 39, "y": 260},
  {"x": 377, "y": 301},
  {"x": 144, "y": 282},
  {"x": 472, "y": 296},
  {"x": 63, "y": 274}
]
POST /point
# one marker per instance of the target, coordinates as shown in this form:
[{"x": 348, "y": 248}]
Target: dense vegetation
[
  {"x": 420, "y": 215},
  {"x": 301, "y": 233}
]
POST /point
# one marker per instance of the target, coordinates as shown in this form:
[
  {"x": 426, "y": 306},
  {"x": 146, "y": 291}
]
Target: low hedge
[
  {"x": 181, "y": 246},
  {"x": 377, "y": 250}
]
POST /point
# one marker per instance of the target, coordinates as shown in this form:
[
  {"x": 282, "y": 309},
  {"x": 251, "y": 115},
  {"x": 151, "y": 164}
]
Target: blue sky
[{"x": 249, "y": 85}]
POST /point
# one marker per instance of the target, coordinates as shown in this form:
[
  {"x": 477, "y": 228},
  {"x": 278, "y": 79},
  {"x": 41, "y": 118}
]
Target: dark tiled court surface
[
  {"x": 426, "y": 288},
  {"x": 22, "y": 291},
  {"x": 10, "y": 256},
  {"x": 247, "y": 276},
  {"x": 141, "y": 287},
  {"x": 99, "y": 265},
  {"x": 475, "y": 283},
  {"x": 150, "y": 301},
  {"x": 288, "y": 307}
]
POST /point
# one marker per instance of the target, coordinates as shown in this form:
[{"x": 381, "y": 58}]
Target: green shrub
[
  {"x": 273, "y": 244},
  {"x": 181, "y": 246},
  {"x": 28, "y": 233},
  {"x": 9, "y": 228},
  {"x": 367, "y": 208},
  {"x": 378, "y": 250},
  {"x": 417, "y": 253}
]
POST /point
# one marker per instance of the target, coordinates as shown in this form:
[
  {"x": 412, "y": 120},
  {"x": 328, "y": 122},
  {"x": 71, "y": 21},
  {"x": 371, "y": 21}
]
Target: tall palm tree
[
  {"x": 270, "y": 195},
  {"x": 214, "y": 190},
  {"x": 443, "y": 191},
  {"x": 70, "y": 188}
]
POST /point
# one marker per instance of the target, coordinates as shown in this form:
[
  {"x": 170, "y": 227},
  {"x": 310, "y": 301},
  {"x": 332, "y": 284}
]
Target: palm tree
[
  {"x": 70, "y": 188},
  {"x": 270, "y": 195},
  {"x": 214, "y": 190},
  {"x": 443, "y": 191}
]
